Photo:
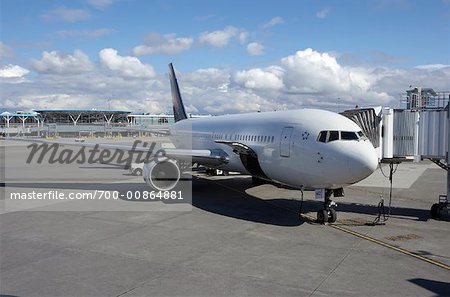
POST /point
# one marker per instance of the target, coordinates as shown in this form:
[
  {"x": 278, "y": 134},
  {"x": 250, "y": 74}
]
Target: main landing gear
[{"x": 328, "y": 213}]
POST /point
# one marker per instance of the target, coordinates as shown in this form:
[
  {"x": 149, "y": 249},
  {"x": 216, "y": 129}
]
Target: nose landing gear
[{"x": 328, "y": 213}]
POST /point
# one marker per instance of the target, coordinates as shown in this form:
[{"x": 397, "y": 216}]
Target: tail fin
[{"x": 178, "y": 108}]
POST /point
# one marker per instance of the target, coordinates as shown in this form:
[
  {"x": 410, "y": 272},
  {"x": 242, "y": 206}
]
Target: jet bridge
[{"x": 401, "y": 135}]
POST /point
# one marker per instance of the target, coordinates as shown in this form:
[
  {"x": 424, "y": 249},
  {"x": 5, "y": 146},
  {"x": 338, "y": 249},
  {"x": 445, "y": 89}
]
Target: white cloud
[
  {"x": 13, "y": 71},
  {"x": 323, "y": 13},
  {"x": 270, "y": 78},
  {"x": 62, "y": 63},
  {"x": 49, "y": 101},
  {"x": 273, "y": 22},
  {"x": 221, "y": 38},
  {"x": 234, "y": 102},
  {"x": 432, "y": 66},
  {"x": 312, "y": 72},
  {"x": 163, "y": 44},
  {"x": 130, "y": 67},
  {"x": 212, "y": 90},
  {"x": 91, "y": 34},
  {"x": 66, "y": 15},
  {"x": 307, "y": 78},
  {"x": 255, "y": 49},
  {"x": 100, "y": 4},
  {"x": 212, "y": 78}
]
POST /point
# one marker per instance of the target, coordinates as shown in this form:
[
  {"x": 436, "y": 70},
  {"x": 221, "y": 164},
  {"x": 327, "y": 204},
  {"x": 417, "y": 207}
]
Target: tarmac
[{"x": 232, "y": 239}]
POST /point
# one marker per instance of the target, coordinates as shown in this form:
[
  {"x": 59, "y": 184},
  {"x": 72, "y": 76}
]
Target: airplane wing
[{"x": 203, "y": 157}]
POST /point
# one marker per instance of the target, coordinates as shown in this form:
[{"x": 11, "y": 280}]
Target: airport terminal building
[{"x": 78, "y": 122}]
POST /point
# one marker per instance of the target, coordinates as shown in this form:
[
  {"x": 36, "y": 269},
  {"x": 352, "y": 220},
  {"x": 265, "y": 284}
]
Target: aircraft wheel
[
  {"x": 332, "y": 215},
  {"x": 435, "y": 211},
  {"x": 322, "y": 216}
]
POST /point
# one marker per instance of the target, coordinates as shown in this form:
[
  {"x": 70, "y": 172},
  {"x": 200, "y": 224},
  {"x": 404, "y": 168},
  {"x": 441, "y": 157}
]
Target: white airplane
[{"x": 307, "y": 149}]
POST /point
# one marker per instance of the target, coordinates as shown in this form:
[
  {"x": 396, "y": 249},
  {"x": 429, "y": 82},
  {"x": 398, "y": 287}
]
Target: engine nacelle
[{"x": 162, "y": 176}]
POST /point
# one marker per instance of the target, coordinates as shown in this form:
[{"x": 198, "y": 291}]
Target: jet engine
[{"x": 162, "y": 176}]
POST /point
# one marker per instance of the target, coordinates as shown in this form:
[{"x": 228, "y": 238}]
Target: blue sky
[{"x": 251, "y": 50}]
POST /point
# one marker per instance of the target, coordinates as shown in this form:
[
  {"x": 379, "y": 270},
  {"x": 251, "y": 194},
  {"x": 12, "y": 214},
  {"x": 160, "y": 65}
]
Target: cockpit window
[
  {"x": 334, "y": 135},
  {"x": 349, "y": 135},
  {"x": 328, "y": 136},
  {"x": 322, "y": 136},
  {"x": 361, "y": 135}
]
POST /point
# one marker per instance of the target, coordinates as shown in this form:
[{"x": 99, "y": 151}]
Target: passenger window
[
  {"x": 348, "y": 135},
  {"x": 334, "y": 135},
  {"x": 322, "y": 136}
]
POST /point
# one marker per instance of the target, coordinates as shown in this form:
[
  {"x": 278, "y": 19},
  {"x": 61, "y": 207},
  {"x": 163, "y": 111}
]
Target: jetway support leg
[
  {"x": 443, "y": 206},
  {"x": 438, "y": 209}
]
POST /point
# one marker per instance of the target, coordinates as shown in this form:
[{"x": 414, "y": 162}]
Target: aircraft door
[{"x": 285, "y": 142}]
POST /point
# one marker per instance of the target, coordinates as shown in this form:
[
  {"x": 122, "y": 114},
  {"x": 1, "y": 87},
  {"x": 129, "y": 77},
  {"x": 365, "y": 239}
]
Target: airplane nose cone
[{"x": 362, "y": 165}]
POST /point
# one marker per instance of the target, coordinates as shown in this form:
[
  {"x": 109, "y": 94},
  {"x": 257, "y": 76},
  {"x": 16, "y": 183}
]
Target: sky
[{"x": 230, "y": 56}]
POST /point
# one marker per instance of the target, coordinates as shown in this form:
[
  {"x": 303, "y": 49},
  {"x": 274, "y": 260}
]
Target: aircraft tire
[
  {"x": 322, "y": 216},
  {"x": 435, "y": 211},
  {"x": 332, "y": 215}
]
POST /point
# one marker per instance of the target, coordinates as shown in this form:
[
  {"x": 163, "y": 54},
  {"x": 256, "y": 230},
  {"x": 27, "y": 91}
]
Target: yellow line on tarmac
[
  {"x": 354, "y": 233},
  {"x": 390, "y": 246}
]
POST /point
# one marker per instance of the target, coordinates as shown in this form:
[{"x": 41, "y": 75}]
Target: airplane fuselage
[{"x": 306, "y": 148}]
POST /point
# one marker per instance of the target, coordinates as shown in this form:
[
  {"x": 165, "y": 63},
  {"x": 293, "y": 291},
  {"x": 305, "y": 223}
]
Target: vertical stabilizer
[{"x": 178, "y": 108}]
